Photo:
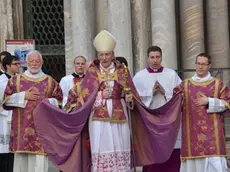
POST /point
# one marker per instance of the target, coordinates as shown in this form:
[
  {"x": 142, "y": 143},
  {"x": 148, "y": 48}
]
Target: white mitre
[{"x": 104, "y": 41}]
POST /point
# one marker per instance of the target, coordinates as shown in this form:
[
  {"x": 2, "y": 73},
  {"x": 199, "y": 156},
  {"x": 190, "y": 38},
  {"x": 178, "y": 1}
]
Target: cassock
[
  {"x": 67, "y": 83},
  {"x": 203, "y": 134},
  {"x": 105, "y": 125},
  {"x": 24, "y": 142},
  {"x": 144, "y": 82},
  {"x": 6, "y": 158}
]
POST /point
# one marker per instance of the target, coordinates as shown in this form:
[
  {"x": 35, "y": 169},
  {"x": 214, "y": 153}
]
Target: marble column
[
  {"x": 218, "y": 35},
  {"x": 192, "y": 32},
  {"x": 79, "y": 30},
  {"x": 141, "y": 32},
  {"x": 218, "y": 42},
  {"x": 101, "y": 14},
  {"x": 119, "y": 24},
  {"x": 6, "y": 22},
  {"x": 164, "y": 30},
  {"x": 18, "y": 24},
  {"x": 68, "y": 36}
]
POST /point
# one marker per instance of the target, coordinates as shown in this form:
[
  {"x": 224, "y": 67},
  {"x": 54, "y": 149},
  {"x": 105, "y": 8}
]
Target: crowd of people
[{"x": 101, "y": 119}]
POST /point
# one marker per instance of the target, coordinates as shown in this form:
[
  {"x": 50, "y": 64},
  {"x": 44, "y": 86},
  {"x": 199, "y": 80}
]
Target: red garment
[{"x": 75, "y": 80}]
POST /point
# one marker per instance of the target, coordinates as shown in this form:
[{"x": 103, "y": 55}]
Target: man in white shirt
[
  {"x": 155, "y": 86},
  {"x": 69, "y": 81},
  {"x": 11, "y": 66}
]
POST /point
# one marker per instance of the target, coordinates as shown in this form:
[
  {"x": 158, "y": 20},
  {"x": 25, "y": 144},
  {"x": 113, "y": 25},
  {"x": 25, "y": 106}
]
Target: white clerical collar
[
  {"x": 37, "y": 75},
  {"x": 80, "y": 76},
  {"x": 204, "y": 79},
  {"x": 112, "y": 66}
]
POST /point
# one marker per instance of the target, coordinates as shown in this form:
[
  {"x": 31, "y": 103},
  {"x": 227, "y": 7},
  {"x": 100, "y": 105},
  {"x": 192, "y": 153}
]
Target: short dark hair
[
  {"x": 122, "y": 60},
  {"x": 8, "y": 60},
  {"x": 154, "y": 48},
  {"x": 4, "y": 53},
  {"x": 204, "y": 55}
]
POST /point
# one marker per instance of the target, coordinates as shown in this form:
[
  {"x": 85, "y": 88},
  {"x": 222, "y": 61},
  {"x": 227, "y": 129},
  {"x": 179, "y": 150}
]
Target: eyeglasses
[
  {"x": 202, "y": 64},
  {"x": 15, "y": 63}
]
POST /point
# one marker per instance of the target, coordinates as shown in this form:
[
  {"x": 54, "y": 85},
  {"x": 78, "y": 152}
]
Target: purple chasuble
[
  {"x": 203, "y": 134},
  {"x": 64, "y": 135},
  {"x": 23, "y": 138}
]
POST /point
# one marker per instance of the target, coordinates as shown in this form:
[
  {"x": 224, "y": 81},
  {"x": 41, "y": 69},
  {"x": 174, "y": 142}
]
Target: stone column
[
  {"x": 141, "y": 32},
  {"x": 6, "y": 22},
  {"x": 218, "y": 35},
  {"x": 68, "y": 36},
  {"x": 80, "y": 17},
  {"x": 101, "y": 14},
  {"x": 164, "y": 30},
  {"x": 218, "y": 43},
  {"x": 17, "y": 8},
  {"x": 192, "y": 32},
  {"x": 119, "y": 24},
  {"x": 83, "y": 17}
]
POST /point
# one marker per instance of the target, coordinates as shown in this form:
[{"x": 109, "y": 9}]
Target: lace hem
[
  {"x": 4, "y": 139},
  {"x": 111, "y": 162}
]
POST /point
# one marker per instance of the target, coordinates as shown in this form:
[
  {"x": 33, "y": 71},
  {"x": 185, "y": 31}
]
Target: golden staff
[{"x": 127, "y": 91}]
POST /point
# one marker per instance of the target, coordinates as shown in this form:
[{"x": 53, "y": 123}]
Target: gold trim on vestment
[
  {"x": 226, "y": 104},
  {"x": 186, "y": 90},
  {"x": 109, "y": 120},
  {"x": 37, "y": 153},
  {"x": 201, "y": 83},
  {"x": 34, "y": 79},
  {"x": 224, "y": 86},
  {"x": 79, "y": 91},
  {"x": 5, "y": 99},
  {"x": 49, "y": 87},
  {"x": 204, "y": 156},
  {"x": 216, "y": 125},
  {"x": 10, "y": 82},
  {"x": 72, "y": 106},
  {"x": 107, "y": 76},
  {"x": 18, "y": 111}
]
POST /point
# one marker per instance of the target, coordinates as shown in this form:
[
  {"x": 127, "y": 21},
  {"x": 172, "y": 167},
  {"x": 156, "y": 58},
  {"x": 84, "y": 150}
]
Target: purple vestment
[
  {"x": 23, "y": 138},
  {"x": 64, "y": 135}
]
